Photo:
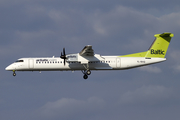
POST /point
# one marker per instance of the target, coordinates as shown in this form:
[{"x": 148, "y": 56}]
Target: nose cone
[{"x": 9, "y": 68}]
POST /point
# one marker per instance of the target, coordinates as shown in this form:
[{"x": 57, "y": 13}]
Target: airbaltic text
[{"x": 45, "y": 60}]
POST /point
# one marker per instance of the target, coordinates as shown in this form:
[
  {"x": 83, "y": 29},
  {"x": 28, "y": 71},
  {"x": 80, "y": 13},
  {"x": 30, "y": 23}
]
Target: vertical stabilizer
[{"x": 160, "y": 45}]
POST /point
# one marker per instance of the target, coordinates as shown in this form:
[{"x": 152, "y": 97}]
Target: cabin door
[
  {"x": 31, "y": 63},
  {"x": 118, "y": 62}
]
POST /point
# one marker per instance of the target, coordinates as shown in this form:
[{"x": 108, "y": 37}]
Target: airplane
[{"x": 87, "y": 60}]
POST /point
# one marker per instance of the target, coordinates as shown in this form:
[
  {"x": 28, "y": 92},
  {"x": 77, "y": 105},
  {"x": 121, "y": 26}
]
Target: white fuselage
[
  {"x": 87, "y": 60},
  {"x": 101, "y": 63}
]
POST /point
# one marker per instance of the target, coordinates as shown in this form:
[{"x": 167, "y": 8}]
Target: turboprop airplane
[{"x": 87, "y": 60}]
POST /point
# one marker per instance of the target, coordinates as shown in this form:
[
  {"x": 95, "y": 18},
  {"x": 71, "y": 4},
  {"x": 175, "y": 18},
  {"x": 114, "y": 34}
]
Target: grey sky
[{"x": 41, "y": 28}]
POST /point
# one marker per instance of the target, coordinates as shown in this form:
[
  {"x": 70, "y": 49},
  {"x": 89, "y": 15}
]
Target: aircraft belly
[{"x": 50, "y": 67}]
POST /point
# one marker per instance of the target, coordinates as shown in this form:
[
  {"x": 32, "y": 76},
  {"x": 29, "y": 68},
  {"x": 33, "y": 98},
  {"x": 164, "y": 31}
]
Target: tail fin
[
  {"x": 160, "y": 45},
  {"x": 158, "y": 48}
]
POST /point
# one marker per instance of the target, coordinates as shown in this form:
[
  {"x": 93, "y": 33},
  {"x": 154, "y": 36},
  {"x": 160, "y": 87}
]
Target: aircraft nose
[{"x": 9, "y": 68}]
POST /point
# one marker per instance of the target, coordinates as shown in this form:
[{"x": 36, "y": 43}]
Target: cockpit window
[{"x": 20, "y": 61}]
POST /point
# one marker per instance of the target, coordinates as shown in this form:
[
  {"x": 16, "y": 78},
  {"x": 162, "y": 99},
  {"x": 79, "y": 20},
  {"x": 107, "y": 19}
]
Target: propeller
[{"x": 63, "y": 56}]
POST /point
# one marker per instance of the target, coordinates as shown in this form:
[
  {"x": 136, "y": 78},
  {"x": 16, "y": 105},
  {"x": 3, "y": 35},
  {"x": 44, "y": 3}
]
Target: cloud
[
  {"x": 118, "y": 25},
  {"x": 175, "y": 54},
  {"x": 147, "y": 95},
  {"x": 39, "y": 28},
  {"x": 175, "y": 57},
  {"x": 67, "y": 108},
  {"x": 122, "y": 19},
  {"x": 1, "y": 101},
  {"x": 151, "y": 69},
  {"x": 130, "y": 27}
]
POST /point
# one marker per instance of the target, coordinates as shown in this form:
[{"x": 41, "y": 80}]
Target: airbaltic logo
[{"x": 157, "y": 52}]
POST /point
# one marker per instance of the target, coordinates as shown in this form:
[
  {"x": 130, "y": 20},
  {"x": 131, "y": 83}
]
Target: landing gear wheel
[
  {"x": 85, "y": 76},
  {"x": 14, "y": 74},
  {"x": 88, "y": 72}
]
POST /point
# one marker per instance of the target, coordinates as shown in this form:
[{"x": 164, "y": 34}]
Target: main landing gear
[{"x": 86, "y": 73}]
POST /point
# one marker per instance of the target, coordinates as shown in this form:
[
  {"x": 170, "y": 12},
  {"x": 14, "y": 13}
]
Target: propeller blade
[
  {"x": 64, "y": 62},
  {"x": 64, "y": 52},
  {"x": 63, "y": 56}
]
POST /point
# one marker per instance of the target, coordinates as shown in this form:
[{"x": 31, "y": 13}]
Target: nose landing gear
[{"x": 14, "y": 74}]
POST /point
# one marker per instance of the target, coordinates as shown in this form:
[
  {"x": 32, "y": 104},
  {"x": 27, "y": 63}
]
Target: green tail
[{"x": 158, "y": 48}]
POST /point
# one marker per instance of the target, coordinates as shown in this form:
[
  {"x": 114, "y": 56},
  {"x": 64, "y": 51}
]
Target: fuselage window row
[
  {"x": 48, "y": 62},
  {"x": 70, "y": 62}
]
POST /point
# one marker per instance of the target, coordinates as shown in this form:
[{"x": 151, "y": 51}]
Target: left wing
[{"x": 87, "y": 51}]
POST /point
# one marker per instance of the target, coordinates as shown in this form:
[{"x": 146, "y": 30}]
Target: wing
[{"x": 87, "y": 51}]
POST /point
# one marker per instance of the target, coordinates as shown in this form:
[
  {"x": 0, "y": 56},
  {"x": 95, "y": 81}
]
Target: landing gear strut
[{"x": 86, "y": 72}]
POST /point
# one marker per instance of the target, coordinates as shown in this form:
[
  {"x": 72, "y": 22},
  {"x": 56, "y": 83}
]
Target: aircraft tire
[
  {"x": 88, "y": 72},
  {"x": 85, "y": 76},
  {"x": 14, "y": 74}
]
